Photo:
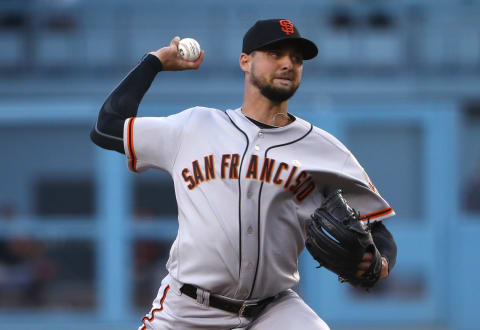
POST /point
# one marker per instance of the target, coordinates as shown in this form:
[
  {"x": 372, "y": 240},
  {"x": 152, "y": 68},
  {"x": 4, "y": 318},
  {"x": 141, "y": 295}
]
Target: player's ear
[{"x": 245, "y": 61}]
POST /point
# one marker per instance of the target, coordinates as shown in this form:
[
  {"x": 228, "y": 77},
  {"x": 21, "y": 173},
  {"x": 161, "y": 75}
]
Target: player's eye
[
  {"x": 297, "y": 59},
  {"x": 275, "y": 53}
]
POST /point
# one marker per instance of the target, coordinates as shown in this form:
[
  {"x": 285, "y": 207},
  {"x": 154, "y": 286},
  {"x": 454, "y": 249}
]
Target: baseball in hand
[{"x": 189, "y": 49}]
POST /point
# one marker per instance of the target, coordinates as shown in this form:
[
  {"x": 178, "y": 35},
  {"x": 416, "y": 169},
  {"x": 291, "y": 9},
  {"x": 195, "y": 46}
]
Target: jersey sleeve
[
  {"x": 362, "y": 194},
  {"x": 154, "y": 142}
]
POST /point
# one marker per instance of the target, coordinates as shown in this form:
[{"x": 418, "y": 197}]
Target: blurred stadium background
[{"x": 83, "y": 241}]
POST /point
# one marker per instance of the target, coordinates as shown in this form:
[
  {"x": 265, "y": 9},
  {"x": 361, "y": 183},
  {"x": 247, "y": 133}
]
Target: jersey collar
[{"x": 283, "y": 134}]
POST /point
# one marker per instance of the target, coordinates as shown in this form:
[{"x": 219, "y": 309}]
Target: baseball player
[{"x": 246, "y": 182}]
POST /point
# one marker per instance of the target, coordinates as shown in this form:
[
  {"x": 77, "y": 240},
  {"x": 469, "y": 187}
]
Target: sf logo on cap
[{"x": 287, "y": 26}]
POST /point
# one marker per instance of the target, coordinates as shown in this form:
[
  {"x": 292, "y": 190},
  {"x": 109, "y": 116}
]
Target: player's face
[{"x": 277, "y": 71}]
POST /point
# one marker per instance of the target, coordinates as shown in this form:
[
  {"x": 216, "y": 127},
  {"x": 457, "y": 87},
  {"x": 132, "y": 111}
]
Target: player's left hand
[{"x": 367, "y": 261}]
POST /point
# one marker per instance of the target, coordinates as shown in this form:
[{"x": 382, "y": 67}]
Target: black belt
[{"x": 240, "y": 307}]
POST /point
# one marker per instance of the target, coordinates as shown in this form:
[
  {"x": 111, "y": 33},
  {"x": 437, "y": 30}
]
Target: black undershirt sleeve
[
  {"x": 385, "y": 243},
  {"x": 123, "y": 103}
]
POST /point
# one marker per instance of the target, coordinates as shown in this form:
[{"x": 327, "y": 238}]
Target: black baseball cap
[{"x": 267, "y": 32}]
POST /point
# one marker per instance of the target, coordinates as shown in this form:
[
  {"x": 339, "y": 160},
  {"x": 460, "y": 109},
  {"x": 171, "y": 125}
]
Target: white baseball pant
[{"x": 173, "y": 310}]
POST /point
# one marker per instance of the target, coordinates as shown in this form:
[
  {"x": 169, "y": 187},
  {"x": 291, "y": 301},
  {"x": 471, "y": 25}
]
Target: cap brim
[{"x": 308, "y": 48}]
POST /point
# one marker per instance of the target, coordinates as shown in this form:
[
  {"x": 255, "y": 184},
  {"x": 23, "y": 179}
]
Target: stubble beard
[{"x": 274, "y": 94}]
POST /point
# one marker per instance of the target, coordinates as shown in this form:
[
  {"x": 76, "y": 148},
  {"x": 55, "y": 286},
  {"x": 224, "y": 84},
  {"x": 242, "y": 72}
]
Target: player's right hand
[{"x": 171, "y": 61}]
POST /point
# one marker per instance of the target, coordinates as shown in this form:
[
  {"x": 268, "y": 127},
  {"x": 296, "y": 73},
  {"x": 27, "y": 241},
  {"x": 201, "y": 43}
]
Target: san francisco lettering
[{"x": 299, "y": 183}]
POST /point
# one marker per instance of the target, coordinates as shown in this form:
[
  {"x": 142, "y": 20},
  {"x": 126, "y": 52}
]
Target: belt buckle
[{"x": 244, "y": 306}]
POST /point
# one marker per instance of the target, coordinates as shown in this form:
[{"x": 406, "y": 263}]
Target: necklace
[
  {"x": 273, "y": 124},
  {"x": 281, "y": 114}
]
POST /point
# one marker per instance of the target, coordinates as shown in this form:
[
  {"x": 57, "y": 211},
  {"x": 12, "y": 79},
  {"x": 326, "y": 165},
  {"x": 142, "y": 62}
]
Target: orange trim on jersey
[
  {"x": 376, "y": 214},
  {"x": 133, "y": 161},
  {"x": 150, "y": 319}
]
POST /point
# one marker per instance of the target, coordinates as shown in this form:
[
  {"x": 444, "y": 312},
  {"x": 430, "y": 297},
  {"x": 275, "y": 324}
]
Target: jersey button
[
  {"x": 250, "y": 265},
  {"x": 250, "y": 230},
  {"x": 257, "y": 147},
  {"x": 260, "y": 134},
  {"x": 249, "y": 194}
]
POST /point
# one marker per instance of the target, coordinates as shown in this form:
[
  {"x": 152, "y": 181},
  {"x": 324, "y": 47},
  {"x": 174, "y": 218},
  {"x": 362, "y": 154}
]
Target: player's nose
[{"x": 286, "y": 62}]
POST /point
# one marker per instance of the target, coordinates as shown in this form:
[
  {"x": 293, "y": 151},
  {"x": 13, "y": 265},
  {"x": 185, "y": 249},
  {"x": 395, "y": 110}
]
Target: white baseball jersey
[{"x": 245, "y": 194}]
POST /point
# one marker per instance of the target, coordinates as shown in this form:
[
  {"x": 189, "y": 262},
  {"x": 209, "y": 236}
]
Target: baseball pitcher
[{"x": 254, "y": 186}]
